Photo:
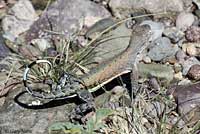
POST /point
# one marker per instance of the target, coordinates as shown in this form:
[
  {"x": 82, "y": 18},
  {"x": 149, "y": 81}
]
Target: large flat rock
[{"x": 67, "y": 17}]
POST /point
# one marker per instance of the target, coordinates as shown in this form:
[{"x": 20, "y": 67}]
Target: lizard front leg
[{"x": 86, "y": 107}]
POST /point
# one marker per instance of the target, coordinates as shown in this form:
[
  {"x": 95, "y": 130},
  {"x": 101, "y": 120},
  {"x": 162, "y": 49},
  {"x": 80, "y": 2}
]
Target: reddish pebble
[
  {"x": 194, "y": 72},
  {"x": 193, "y": 34}
]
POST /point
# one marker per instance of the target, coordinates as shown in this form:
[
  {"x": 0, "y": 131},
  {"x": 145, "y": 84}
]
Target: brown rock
[
  {"x": 194, "y": 72},
  {"x": 188, "y": 101}
]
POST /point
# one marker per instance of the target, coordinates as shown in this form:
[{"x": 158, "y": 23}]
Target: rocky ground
[{"x": 168, "y": 98}]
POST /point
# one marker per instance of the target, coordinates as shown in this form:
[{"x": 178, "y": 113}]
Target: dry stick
[
  {"x": 9, "y": 74},
  {"x": 12, "y": 85},
  {"x": 67, "y": 52},
  {"x": 8, "y": 87}
]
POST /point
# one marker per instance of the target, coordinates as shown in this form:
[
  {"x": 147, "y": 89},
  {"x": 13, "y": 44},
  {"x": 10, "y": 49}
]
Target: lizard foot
[{"x": 85, "y": 109}]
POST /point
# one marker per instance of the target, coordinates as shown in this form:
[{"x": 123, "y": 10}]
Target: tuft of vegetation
[{"x": 93, "y": 125}]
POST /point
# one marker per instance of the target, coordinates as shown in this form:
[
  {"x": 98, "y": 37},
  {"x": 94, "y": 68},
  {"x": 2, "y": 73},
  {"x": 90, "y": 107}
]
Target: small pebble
[
  {"x": 184, "y": 20},
  {"x": 41, "y": 44},
  {"x": 146, "y": 59},
  {"x": 188, "y": 63},
  {"x": 184, "y": 47},
  {"x": 180, "y": 55},
  {"x": 184, "y": 82},
  {"x": 194, "y": 72},
  {"x": 174, "y": 34},
  {"x": 170, "y": 60},
  {"x": 178, "y": 76},
  {"x": 177, "y": 67},
  {"x": 191, "y": 50},
  {"x": 162, "y": 49},
  {"x": 193, "y": 34},
  {"x": 51, "y": 52},
  {"x": 154, "y": 84}
]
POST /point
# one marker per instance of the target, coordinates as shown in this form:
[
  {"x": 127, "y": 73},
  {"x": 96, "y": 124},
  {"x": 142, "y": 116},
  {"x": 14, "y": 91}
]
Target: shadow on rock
[{"x": 47, "y": 104}]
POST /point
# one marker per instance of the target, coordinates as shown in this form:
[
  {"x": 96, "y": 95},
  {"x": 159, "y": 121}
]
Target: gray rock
[
  {"x": 16, "y": 119},
  {"x": 19, "y": 19},
  {"x": 66, "y": 18},
  {"x": 188, "y": 63},
  {"x": 161, "y": 72},
  {"x": 120, "y": 7},
  {"x": 174, "y": 34},
  {"x": 184, "y": 20},
  {"x": 40, "y": 125},
  {"x": 161, "y": 49}
]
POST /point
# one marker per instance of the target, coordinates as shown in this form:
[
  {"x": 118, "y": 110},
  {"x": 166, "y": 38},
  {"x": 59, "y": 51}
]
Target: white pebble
[{"x": 184, "y": 20}]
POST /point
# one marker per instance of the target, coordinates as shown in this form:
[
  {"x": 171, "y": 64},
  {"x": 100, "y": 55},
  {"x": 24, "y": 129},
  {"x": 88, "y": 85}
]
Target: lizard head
[
  {"x": 156, "y": 28},
  {"x": 142, "y": 33}
]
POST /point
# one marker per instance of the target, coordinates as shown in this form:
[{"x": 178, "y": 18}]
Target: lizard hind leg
[{"x": 85, "y": 108}]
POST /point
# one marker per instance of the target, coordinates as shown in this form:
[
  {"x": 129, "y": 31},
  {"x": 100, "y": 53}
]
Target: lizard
[{"x": 121, "y": 64}]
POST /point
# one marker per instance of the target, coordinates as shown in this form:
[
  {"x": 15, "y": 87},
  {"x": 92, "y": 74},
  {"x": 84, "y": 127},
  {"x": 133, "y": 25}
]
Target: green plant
[{"x": 93, "y": 124}]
